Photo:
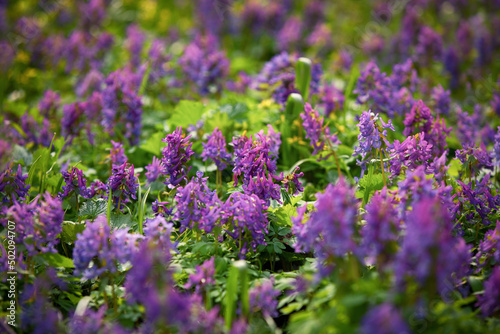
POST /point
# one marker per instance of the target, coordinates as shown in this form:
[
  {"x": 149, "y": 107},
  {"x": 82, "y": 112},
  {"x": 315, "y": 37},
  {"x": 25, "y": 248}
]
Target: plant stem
[
  {"x": 78, "y": 208},
  {"x": 382, "y": 166},
  {"x": 119, "y": 204}
]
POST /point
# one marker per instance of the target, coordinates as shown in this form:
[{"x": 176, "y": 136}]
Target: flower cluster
[
  {"x": 203, "y": 276},
  {"x": 329, "y": 231},
  {"x": 245, "y": 221},
  {"x": 430, "y": 255},
  {"x": 121, "y": 106},
  {"x": 123, "y": 183},
  {"x": 371, "y": 134},
  {"x": 414, "y": 151},
  {"x": 196, "y": 205},
  {"x": 420, "y": 120},
  {"x": 117, "y": 154},
  {"x": 318, "y": 134},
  {"x": 215, "y": 149},
  {"x": 263, "y": 298},
  {"x": 154, "y": 170},
  {"x": 13, "y": 186},
  {"x": 76, "y": 183},
  {"x": 391, "y": 95},
  {"x": 384, "y": 319},
  {"x": 175, "y": 156},
  {"x": 41, "y": 220},
  {"x": 380, "y": 233},
  {"x": 204, "y": 65},
  {"x": 98, "y": 251},
  {"x": 488, "y": 301},
  {"x": 489, "y": 247}
]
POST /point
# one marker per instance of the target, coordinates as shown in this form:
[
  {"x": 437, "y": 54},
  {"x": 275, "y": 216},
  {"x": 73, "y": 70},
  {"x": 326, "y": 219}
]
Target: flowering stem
[
  {"x": 119, "y": 204},
  {"x": 337, "y": 162},
  {"x": 78, "y": 209},
  {"x": 382, "y": 166},
  {"x": 219, "y": 181}
]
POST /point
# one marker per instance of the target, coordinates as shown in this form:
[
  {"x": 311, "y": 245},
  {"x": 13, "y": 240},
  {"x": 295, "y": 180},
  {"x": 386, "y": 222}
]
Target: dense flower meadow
[{"x": 228, "y": 166}]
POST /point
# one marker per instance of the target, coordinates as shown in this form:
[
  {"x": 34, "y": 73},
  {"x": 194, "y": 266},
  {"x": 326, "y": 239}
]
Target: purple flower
[
  {"x": 430, "y": 255},
  {"x": 290, "y": 34},
  {"x": 117, "y": 154},
  {"x": 7, "y": 54},
  {"x": 175, "y": 157},
  {"x": 263, "y": 297},
  {"x": 468, "y": 127},
  {"x": 215, "y": 149},
  {"x": 380, "y": 233},
  {"x": 158, "y": 61},
  {"x": 429, "y": 47},
  {"x": 254, "y": 157},
  {"x": 384, "y": 319},
  {"x": 13, "y": 186},
  {"x": 154, "y": 170},
  {"x": 41, "y": 223},
  {"x": 75, "y": 183},
  {"x": 245, "y": 220},
  {"x": 93, "y": 13},
  {"x": 204, "y": 65},
  {"x": 332, "y": 99},
  {"x": 496, "y": 148},
  {"x": 391, "y": 95},
  {"x": 91, "y": 82},
  {"x": 318, "y": 134},
  {"x": 489, "y": 247},
  {"x": 121, "y": 106},
  {"x": 414, "y": 151},
  {"x": 49, "y": 104},
  {"x": 420, "y": 120},
  {"x": 489, "y": 300},
  {"x": 163, "y": 304},
  {"x": 197, "y": 206},
  {"x": 475, "y": 158},
  {"x": 123, "y": 183},
  {"x": 441, "y": 99},
  {"x": 73, "y": 120},
  {"x": 452, "y": 65},
  {"x": 134, "y": 44},
  {"x": 97, "y": 250},
  {"x": 329, "y": 231},
  {"x": 264, "y": 187},
  {"x": 475, "y": 198},
  {"x": 370, "y": 134},
  {"x": 203, "y": 276},
  {"x": 291, "y": 182}
]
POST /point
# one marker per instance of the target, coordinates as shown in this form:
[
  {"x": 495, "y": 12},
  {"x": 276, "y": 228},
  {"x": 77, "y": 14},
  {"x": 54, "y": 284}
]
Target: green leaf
[
  {"x": 370, "y": 183},
  {"x": 56, "y": 260},
  {"x": 120, "y": 221},
  {"x": 231, "y": 296},
  {"x": 303, "y": 76},
  {"x": 70, "y": 231},
  {"x": 186, "y": 113},
  {"x": 154, "y": 144},
  {"x": 93, "y": 208}
]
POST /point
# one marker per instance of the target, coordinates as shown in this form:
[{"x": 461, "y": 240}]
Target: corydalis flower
[
  {"x": 263, "y": 297},
  {"x": 76, "y": 183},
  {"x": 154, "y": 170},
  {"x": 215, "y": 149},
  {"x": 117, "y": 153},
  {"x": 97, "y": 250},
  {"x": 123, "y": 183},
  {"x": 489, "y": 300},
  {"x": 384, "y": 319},
  {"x": 489, "y": 247},
  {"x": 420, "y": 120},
  {"x": 430, "y": 255},
  {"x": 121, "y": 106},
  {"x": 244, "y": 218},
  {"x": 381, "y": 230},
  {"x": 12, "y": 186},
  {"x": 175, "y": 157},
  {"x": 204, "y": 65},
  {"x": 441, "y": 100},
  {"x": 330, "y": 228},
  {"x": 253, "y": 157},
  {"x": 291, "y": 182},
  {"x": 203, "y": 276},
  {"x": 264, "y": 187},
  {"x": 49, "y": 103},
  {"x": 41, "y": 223},
  {"x": 318, "y": 134},
  {"x": 197, "y": 206},
  {"x": 371, "y": 134}
]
